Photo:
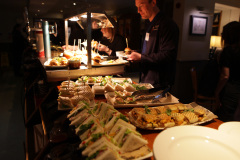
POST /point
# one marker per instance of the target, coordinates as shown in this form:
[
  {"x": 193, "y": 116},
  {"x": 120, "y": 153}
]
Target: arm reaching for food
[{"x": 104, "y": 48}]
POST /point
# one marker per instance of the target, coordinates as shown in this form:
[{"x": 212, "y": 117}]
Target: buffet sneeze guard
[{"x": 89, "y": 21}]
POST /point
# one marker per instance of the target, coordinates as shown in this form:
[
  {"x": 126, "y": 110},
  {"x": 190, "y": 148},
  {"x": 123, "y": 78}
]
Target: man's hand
[{"x": 134, "y": 56}]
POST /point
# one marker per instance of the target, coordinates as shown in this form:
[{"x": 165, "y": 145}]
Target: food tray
[
  {"x": 210, "y": 116},
  {"x": 118, "y": 80},
  {"x": 168, "y": 99}
]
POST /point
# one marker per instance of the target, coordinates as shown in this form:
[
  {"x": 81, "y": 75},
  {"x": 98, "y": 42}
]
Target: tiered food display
[{"x": 80, "y": 55}]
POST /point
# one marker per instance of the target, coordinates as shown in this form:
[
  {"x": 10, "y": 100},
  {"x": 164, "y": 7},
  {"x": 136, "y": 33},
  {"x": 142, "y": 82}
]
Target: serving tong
[{"x": 156, "y": 98}]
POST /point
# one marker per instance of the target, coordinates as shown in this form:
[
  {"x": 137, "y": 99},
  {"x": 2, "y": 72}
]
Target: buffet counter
[
  {"x": 60, "y": 74},
  {"x": 46, "y": 113},
  {"x": 150, "y": 135}
]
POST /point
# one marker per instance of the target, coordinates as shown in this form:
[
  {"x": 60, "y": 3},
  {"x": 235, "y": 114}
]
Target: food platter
[
  {"x": 168, "y": 99},
  {"x": 195, "y": 142},
  {"x": 110, "y": 63},
  {"x": 98, "y": 82},
  {"x": 48, "y": 66},
  {"x": 208, "y": 116}
]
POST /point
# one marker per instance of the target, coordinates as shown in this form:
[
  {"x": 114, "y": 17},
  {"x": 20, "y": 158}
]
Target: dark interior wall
[
  {"x": 130, "y": 27},
  {"x": 182, "y": 88},
  {"x": 166, "y": 6}
]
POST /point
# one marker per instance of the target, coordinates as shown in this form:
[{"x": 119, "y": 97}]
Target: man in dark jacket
[{"x": 159, "y": 51}]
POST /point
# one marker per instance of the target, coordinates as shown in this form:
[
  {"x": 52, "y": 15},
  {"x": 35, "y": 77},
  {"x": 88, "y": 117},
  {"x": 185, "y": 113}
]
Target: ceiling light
[
  {"x": 61, "y": 11},
  {"x": 43, "y": 3},
  {"x": 38, "y": 10},
  {"x": 74, "y": 4},
  {"x": 74, "y": 19}
]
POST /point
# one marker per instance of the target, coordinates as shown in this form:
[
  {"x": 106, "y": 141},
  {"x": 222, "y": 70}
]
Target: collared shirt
[{"x": 148, "y": 32}]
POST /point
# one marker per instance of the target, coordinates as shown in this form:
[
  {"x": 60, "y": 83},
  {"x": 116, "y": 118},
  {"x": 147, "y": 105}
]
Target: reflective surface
[{"x": 195, "y": 142}]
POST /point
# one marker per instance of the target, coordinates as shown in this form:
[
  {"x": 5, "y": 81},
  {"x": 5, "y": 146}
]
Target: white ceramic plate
[
  {"x": 144, "y": 157},
  {"x": 108, "y": 63},
  {"x": 232, "y": 128},
  {"x": 47, "y": 66},
  {"x": 195, "y": 143}
]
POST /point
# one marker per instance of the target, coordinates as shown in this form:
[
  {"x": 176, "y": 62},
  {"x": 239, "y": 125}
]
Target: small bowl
[{"x": 74, "y": 64}]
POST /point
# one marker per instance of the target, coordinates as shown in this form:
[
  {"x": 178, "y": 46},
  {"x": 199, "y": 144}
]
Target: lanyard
[{"x": 147, "y": 35}]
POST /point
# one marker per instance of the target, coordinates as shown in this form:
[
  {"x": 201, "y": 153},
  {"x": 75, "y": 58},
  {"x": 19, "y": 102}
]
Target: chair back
[{"x": 194, "y": 82}]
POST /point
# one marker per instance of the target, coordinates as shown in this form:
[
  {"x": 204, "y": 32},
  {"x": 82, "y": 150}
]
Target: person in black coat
[
  {"x": 228, "y": 89},
  {"x": 159, "y": 51},
  {"x": 111, "y": 42}
]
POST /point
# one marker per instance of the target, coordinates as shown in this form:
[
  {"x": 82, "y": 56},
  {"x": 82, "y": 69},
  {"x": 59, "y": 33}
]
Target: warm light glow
[
  {"x": 85, "y": 15},
  {"x": 216, "y": 42},
  {"x": 43, "y": 3},
  {"x": 38, "y": 10},
  {"x": 74, "y": 19},
  {"x": 61, "y": 11},
  {"x": 74, "y": 4}
]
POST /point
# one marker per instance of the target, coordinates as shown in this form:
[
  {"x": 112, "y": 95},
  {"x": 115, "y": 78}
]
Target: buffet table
[
  {"x": 150, "y": 135},
  {"x": 56, "y": 74},
  {"x": 46, "y": 107}
]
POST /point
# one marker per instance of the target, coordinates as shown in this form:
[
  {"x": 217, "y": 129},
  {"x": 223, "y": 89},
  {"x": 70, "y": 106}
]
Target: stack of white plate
[{"x": 198, "y": 143}]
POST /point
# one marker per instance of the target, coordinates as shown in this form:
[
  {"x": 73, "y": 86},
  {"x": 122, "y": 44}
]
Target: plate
[
  {"x": 169, "y": 99},
  {"x": 232, "y": 128},
  {"x": 107, "y": 63},
  {"x": 121, "y": 80},
  {"x": 47, "y": 66},
  {"x": 195, "y": 142},
  {"x": 118, "y": 80},
  {"x": 209, "y": 116}
]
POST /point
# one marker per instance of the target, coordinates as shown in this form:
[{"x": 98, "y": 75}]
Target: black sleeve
[
  {"x": 118, "y": 44},
  {"x": 167, "y": 47},
  {"x": 225, "y": 57}
]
